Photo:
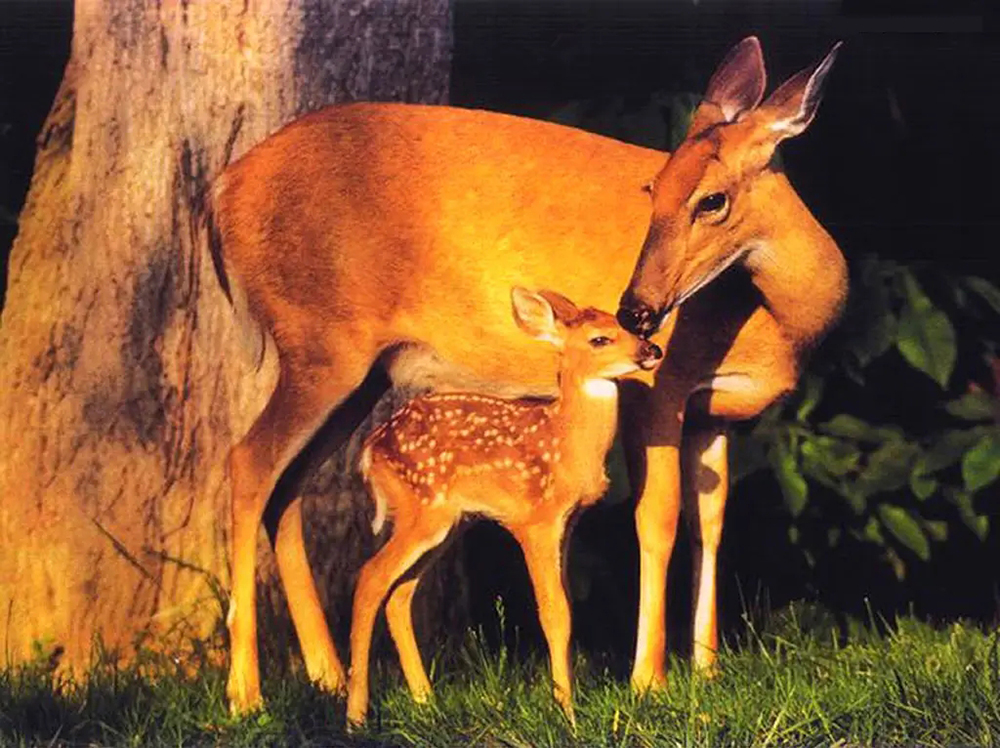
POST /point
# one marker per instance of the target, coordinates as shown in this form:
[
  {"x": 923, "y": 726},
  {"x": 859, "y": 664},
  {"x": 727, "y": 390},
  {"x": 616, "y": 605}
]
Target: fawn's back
[
  {"x": 514, "y": 461},
  {"x": 462, "y": 449}
]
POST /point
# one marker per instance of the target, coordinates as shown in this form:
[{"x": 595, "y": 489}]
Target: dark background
[{"x": 899, "y": 162}]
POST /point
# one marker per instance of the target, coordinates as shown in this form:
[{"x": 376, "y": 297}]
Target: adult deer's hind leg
[
  {"x": 283, "y": 520},
  {"x": 706, "y": 487},
  {"x": 301, "y": 401}
]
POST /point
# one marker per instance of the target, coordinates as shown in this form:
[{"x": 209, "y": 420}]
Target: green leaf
[
  {"x": 811, "y": 388},
  {"x": 905, "y": 529},
  {"x": 873, "y": 532},
  {"x": 869, "y": 322},
  {"x": 979, "y": 524},
  {"x": 973, "y": 406},
  {"x": 947, "y": 449},
  {"x": 981, "y": 464},
  {"x": 793, "y": 486},
  {"x": 852, "y": 427},
  {"x": 874, "y": 330},
  {"x": 922, "y": 485},
  {"x": 926, "y": 337},
  {"x": 888, "y": 468},
  {"x": 936, "y": 529},
  {"x": 827, "y": 459},
  {"x": 986, "y": 290}
]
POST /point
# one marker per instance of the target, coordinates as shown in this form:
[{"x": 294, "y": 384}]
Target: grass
[{"x": 792, "y": 683}]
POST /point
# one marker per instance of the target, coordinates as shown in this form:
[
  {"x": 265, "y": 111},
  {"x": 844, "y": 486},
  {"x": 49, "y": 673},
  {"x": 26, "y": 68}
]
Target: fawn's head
[
  {"x": 592, "y": 343},
  {"x": 717, "y": 197}
]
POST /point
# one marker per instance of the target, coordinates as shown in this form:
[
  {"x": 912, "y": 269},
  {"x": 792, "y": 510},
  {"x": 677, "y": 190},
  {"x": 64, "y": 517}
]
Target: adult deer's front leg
[
  {"x": 651, "y": 432},
  {"x": 706, "y": 486}
]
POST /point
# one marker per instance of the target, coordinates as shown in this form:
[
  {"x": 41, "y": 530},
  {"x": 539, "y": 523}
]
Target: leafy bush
[{"x": 898, "y": 418}]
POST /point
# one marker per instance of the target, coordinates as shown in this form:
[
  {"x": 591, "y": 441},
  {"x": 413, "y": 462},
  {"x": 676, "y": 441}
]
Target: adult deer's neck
[{"x": 801, "y": 273}]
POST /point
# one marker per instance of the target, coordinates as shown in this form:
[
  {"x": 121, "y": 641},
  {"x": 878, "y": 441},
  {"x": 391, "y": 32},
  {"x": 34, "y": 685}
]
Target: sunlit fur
[{"x": 386, "y": 237}]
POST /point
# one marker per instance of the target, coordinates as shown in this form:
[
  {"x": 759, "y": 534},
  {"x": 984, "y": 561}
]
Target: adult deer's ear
[
  {"x": 788, "y": 111},
  {"x": 535, "y": 315},
  {"x": 736, "y": 86},
  {"x": 738, "y": 83}
]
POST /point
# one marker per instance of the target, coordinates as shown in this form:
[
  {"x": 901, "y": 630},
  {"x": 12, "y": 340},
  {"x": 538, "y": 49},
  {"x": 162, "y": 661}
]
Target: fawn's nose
[{"x": 651, "y": 353}]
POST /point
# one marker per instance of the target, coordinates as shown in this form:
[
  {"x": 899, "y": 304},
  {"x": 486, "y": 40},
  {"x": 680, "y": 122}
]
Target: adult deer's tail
[{"x": 252, "y": 334}]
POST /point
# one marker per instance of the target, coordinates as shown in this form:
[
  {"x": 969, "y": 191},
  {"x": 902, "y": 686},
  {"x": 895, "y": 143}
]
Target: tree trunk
[{"x": 122, "y": 379}]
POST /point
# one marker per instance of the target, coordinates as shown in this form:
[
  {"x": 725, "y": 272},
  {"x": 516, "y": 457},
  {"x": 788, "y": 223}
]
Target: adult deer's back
[
  {"x": 381, "y": 234},
  {"x": 394, "y": 222}
]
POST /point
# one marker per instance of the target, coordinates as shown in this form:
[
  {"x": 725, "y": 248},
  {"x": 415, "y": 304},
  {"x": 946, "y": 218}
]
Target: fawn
[{"x": 526, "y": 464}]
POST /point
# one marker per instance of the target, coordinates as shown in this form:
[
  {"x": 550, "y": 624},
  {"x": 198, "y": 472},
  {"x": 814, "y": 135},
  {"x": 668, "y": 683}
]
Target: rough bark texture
[{"x": 122, "y": 379}]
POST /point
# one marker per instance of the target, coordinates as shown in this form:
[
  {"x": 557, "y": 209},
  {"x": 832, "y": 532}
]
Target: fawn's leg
[
  {"x": 399, "y": 616},
  {"x": 297, "y": 408},
  {"x": 651, "y": 433},
  {"x": 543, "y": 552},
  {"x": 706, "y": 487},
  {"x": 283, "y": 519},
  {"x": 408, "y": 543}
]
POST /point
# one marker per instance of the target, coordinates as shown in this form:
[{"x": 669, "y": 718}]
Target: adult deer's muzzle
[{"x": 637, "y": 317}]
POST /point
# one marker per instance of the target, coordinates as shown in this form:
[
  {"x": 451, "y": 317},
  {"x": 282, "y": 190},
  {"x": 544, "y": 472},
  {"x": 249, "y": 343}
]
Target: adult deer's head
[{"x": 718, "y": 196}]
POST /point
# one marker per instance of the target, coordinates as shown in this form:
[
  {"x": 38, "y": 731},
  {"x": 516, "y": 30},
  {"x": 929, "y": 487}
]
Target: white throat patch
[{"x": 600, "y": 388}]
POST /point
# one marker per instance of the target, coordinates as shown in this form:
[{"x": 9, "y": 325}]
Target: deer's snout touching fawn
[{"x": 526, "y": 464}]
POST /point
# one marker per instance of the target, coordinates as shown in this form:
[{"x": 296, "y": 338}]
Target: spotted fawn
[{"x": 526, "y": 464}]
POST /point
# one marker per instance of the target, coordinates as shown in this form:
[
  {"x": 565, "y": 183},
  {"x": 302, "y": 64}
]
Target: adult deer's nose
[{"x": 637, "y": 318}]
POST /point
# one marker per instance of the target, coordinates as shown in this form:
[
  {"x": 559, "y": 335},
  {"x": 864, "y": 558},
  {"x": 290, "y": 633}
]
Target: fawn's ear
[
  {"x": 535, "y": 315},
  {"x": 788, "y": 111}
]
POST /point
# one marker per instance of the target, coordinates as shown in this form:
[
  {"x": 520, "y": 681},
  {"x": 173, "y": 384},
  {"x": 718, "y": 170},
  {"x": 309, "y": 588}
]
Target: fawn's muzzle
[{"x": 651, "y": 354}]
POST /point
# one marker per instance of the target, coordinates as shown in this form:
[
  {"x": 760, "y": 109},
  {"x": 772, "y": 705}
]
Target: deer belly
[{"x": 418, "y": 367}]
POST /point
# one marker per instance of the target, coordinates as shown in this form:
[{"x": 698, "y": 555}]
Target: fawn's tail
[{"x": 377, "y": 497}]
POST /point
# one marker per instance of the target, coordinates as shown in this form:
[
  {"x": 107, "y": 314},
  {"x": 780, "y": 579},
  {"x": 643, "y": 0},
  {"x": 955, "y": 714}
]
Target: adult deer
[
  {"x": 387, "y": 236},
  {"x": 529, "y": 465}
]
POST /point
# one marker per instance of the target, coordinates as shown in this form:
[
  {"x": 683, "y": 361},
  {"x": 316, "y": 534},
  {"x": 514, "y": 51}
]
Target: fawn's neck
[{"x": 585, "y": 417}]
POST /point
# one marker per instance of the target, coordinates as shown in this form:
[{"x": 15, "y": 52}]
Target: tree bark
[{"x": 122, "y": 379}]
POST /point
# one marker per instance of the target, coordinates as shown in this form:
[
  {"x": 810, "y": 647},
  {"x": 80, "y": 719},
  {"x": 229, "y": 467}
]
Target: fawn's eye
[
  {"x": 713, "y": 203},
  {"x": 600, "y": 341}
]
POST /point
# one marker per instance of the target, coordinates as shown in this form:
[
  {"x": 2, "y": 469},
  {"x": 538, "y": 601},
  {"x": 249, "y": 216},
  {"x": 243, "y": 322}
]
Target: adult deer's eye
[
  {"x": 600, "y": 341},
  {"x": 712, "y": 203}
]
